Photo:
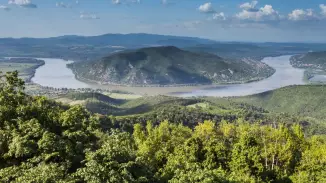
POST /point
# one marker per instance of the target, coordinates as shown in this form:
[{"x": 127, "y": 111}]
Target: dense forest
[{"x": 45, "y": 141}]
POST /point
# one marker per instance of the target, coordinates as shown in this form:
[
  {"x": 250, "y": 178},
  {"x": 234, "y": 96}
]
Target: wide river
[{"x": 55, "y": 74}]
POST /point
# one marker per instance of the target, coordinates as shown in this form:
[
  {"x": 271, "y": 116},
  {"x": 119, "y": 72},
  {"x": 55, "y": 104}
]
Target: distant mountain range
[
  {"x": 82, "y": 48},
  {"x": 169, "y": 65},
  {"x": 122, "y": 40}
]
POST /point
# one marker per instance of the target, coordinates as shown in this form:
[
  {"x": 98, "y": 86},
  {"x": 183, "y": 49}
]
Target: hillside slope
[
  {"x": 168, "y": 65},
  {"x": 43, "y": 141},
  {"x": 314, "y": 64},
  {"x": 309, "y": 100},
  {"x": 312, "y": 60}
]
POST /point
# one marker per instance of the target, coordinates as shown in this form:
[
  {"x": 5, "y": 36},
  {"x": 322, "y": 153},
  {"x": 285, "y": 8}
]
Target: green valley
[
  {"x": 162, "y": 91},
  {"x": 158, "y": 139}
]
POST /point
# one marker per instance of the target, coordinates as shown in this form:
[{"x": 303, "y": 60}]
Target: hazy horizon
[
  {"x": 222, "y": 41},
  {"x": 221, "y": 20}
]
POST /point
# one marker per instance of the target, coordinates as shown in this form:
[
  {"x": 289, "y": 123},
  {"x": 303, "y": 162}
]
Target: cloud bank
[{"x": 23, "y": 3}]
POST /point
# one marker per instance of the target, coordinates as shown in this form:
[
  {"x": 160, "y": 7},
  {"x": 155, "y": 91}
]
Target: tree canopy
[{"x": 42, "y": 141}]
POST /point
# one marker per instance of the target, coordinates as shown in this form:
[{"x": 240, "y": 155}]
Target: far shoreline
[
  {"x": 154, "y": 90},
  {"x": 170, "y": 90}
]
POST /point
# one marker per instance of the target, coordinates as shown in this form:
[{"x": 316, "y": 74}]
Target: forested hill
[
  {"x": 311, "y": 60},
  {"x": 308, "y": 100},
  {"x": 169, "y": 65},
  {"x": 43, "y": 141}
]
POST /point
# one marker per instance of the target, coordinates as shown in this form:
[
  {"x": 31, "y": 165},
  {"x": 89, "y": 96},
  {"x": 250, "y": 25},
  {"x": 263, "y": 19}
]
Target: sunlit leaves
[{"x": 42, "y": 141}]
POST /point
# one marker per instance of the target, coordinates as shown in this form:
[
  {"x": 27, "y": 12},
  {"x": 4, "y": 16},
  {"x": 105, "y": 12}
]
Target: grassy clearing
[
  {"x": 70, "y": 101},
  {"x": 203, "y": 105},
  {"x": 123, "y": 96},
  {"x": 22, "y": 68},
  {"x": 26, "y": 67},
  {"x": 9, "y": 67}
]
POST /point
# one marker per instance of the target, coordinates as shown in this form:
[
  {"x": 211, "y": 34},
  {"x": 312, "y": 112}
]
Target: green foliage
[
  {"x": 306, "y": 102},
  {"x": 225, "y": 153},
  {"x": 115, "y": 161},
  {"x": 312, "y": 167},
  {"x": 43, "y": 142},
  {"x": 39, "y": 135},
  {"x": 94, "y": 96}
]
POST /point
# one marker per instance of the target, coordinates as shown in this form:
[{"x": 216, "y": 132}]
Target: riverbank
[
  {"x": 26, "y": 67},
  {"x": 315, "y": 69},
  {"x": 56, "y": 74},
  {"x": 90, "y": 82},
  {"x": 285, "y": 75},
  {"x": 268, "y": 73}
]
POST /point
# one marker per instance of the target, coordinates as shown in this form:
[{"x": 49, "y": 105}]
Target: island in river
[
  {"x": 169, "y": 66},
  {"x": 55, "y": 73}
]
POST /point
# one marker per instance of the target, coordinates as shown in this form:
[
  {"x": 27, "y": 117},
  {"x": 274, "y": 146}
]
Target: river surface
[
  {"x": 56, "y": 74},
  {"x": 285, "y": 75}
]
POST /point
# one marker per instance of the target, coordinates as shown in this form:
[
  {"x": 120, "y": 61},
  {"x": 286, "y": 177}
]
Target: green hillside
[
  {"x": 168, "y": 66},
  {"x": 94, "y": 102},
  {"x": 44, "y": 141},
  {"x": 302, "y": 101}
]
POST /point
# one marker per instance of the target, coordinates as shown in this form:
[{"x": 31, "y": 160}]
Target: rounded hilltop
[{"x": 168, "y": 65}]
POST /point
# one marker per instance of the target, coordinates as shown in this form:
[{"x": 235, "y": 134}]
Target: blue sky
[{"x": 224, "y": 20}]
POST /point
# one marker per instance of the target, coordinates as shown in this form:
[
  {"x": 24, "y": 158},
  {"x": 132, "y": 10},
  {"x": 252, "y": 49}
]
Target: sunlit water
[
  {"x": 56, "y": 74},
  {"x": 285, "y": 75}
]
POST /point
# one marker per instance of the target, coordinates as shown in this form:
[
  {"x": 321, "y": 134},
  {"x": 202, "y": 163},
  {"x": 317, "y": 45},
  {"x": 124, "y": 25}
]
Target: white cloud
[
  {"x": 23, "y": 3},
  {"x": 300, "y": 14},
  {"x": 126, "y": 2},
  {"x": 206, "y": 8},
  {"x": 88, "y": 16},
  {"x": 219, "y": 16},
  {"x": 6, "y": 8},
  {"x": 116, "y": 1},
  {"x": 249, "y": 6},
  {"x": 62, "y": 5},
  {"x": 323, "y": 9},
  {"x": 135, "y": 1},
  {"x": 169, "y": 2},
  {"x": 265, "y": 13}
]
